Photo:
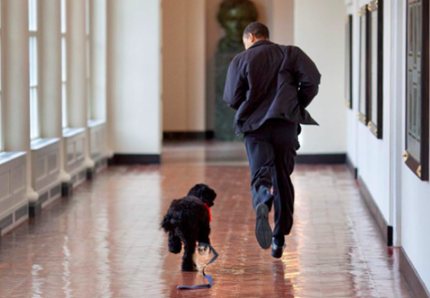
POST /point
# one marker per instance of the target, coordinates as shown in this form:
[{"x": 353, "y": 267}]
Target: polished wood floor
[{"x": 105, "y": 241}]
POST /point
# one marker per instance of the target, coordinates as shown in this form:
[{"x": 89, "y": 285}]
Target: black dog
[{"x": 187, "y": 221}]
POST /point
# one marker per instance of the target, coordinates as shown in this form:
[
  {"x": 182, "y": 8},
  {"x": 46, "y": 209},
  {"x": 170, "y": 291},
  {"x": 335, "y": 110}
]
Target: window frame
[
  {"x": 1, "y": 83},
  {"x": 34, "y": 34},
  {"x": 349, "y": 62},
  {"x": 363, "y": 115},
  {"x": 88, "y": 48},
  {"x": 419, "y": 167},
  {"x": 376, "y": 125},
  {"x": 64, "y": 65}
]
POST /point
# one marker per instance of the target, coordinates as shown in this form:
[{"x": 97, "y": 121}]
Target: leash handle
[{"x": 208, "y": 277}]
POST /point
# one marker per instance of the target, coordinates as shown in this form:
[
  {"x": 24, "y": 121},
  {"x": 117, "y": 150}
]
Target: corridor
[{"x": 105, "y": 241}]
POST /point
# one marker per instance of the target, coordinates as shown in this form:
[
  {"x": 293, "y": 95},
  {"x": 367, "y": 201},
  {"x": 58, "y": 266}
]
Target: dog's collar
[{"x": 209, "y": 212}]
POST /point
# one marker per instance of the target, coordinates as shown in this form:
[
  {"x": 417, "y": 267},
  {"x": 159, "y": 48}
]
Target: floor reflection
[{"x": 105, "y": 241}]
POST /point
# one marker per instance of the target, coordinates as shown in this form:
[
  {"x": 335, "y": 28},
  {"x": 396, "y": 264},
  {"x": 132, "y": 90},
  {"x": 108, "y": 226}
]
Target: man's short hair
[{"x": 257, "y": 29}]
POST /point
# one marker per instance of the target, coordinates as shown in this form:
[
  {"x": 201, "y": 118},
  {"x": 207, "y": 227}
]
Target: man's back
[{"x": 269, "y": 81}]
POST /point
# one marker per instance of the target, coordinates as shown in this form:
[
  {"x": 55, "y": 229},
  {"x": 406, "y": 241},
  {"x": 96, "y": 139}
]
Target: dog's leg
[
  {"x": 175, "y": 244},
  {"x": 188, "y": 262},
  {"x": 203, "y": 237},
  {"x": 204, "y": 231}
]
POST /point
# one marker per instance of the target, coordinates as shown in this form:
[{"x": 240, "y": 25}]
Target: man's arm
[
  {"x": 235, "y": 85},
  {"x": 308, "y": 77}
]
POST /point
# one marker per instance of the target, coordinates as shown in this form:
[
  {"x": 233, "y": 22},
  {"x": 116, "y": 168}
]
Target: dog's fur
[{"x": 187, "y": 221}]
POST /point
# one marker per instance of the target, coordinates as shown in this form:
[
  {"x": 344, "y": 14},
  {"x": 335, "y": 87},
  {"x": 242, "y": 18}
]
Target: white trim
[
  {"x": 93, "y": 123},
  {"x": 72, "y": 131},
  {"x": 38, "y": 144}
]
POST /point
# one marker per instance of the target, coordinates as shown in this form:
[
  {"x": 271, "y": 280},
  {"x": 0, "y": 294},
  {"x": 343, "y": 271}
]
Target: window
[
  {"x": 362, "y": 106},
  {"x": 65, "y": 120},
  {"x": 88, "y": 53},
  {"x": 417, "y": 88},
  {"x": 348, "y": 63},
  {"x": 33, "y": 68},
  {"x": 1, "y": 98},
  {"x": 376, "y": 35}
]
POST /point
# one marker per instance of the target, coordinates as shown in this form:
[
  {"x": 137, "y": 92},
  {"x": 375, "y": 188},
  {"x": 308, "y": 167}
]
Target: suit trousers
[{"x": 271, "y": 151}]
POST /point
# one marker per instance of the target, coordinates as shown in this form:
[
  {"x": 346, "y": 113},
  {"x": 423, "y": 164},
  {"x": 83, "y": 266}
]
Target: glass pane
[
  {"x": 347, "y": 45},
  {"x": 87, "y": 17},
  {"x": 414, "y": 79},
  {"x": 33, "y": 60},
  {"x": 362, "y": 98},
  {"x": 64, "y": 105},
  {"x": 88, "y": 59},
  {"x": 63, "y": 17},
  {"x": 0, "y": 63},
  {"x": 63, "y": 60},
  {"x": 34, "y": 116},
  {"x": 374, "y": 85},
  {"x": 32, "y": 15},
  {"x": 1, "y": 122}
]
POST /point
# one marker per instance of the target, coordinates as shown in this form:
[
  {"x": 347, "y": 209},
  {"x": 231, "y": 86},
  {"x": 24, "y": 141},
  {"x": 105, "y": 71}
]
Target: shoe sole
[{"x": 263, "y": 232}]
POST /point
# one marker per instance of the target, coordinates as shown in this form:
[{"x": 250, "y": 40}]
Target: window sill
[
  {"x": 93, "y": 123},
  {"x": 70, "y": 132},
  {"x": 6, "y": 157},
  {"x": 42, "y": 143}
]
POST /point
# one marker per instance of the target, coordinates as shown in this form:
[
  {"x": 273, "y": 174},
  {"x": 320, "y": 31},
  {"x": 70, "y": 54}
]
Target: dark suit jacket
[{"x": 271, "y": 81}]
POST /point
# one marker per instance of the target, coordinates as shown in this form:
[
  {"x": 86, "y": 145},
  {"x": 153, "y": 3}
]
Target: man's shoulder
[
  {"x": 289, "y": 48},
  {"x": 240, "y": 56}
]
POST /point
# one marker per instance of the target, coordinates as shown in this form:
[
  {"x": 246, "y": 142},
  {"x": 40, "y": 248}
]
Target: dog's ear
[{"x": 204, "y": 193}]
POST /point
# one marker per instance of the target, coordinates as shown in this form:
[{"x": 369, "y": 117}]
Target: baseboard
[
  {"x": 188, "y": 135},
  {"x": 385, "y": 229},
  {"x": 411, "y": 276},
  {"x": 351, "y": 167},
  {"x": 66, "y": 189},
  {"x": 133, "y": 159},
  {"x": 34, "y": 209},
  {"x": 321, "y": 158}
]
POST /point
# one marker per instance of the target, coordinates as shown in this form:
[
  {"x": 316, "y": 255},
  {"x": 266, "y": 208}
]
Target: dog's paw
[{"x": 204, "y": 250}]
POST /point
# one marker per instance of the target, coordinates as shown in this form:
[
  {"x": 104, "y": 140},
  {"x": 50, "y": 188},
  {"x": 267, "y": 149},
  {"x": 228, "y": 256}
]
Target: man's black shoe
[
  {"x": 277, "y": 250},
  {"x": 263, "y": 232}
]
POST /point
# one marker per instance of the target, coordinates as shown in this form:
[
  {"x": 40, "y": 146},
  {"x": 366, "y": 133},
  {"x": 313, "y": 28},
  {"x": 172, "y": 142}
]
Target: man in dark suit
[{"x": 270, "y": 86}]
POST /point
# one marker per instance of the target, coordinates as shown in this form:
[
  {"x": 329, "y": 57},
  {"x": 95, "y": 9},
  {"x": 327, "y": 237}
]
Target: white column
[
  {"x": 16, "y": 105},
  {"x": 98, "y": 58},
  {"x": 50, "y": 75},
  {"x": 134, "y": 76},
  {"x": 76, "y": 71}
]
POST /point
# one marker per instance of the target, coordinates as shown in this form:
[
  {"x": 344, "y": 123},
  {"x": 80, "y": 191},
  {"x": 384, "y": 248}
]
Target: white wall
[
  {"x": 184, "y": 69},
  {"x": 134, "y": 76},
  {"x": 98, "y": 62},
  {"x": 415, "y": 194},
  {"x": 319, "y": 31},
  {"x": 373, "y": 158},
  {"x": 403, "y": 199}
]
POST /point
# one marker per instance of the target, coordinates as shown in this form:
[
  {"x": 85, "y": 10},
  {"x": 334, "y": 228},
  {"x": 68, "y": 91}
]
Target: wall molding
[
  {"x": 351, "y": 167},
  {"x": 411, "y": 276},
  {"x": 338, "y": 158},
  {"x": 132, "y": 159},
  {"x": 385, "y": 229},
  {"x": 188, "y": 135}
]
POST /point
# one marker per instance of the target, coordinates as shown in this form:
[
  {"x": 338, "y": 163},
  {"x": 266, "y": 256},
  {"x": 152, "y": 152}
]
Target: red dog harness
[{"x": 209, "y": 212}]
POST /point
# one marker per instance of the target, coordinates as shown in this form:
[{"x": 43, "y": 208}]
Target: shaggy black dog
[{"x": 188, "y": 221}]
